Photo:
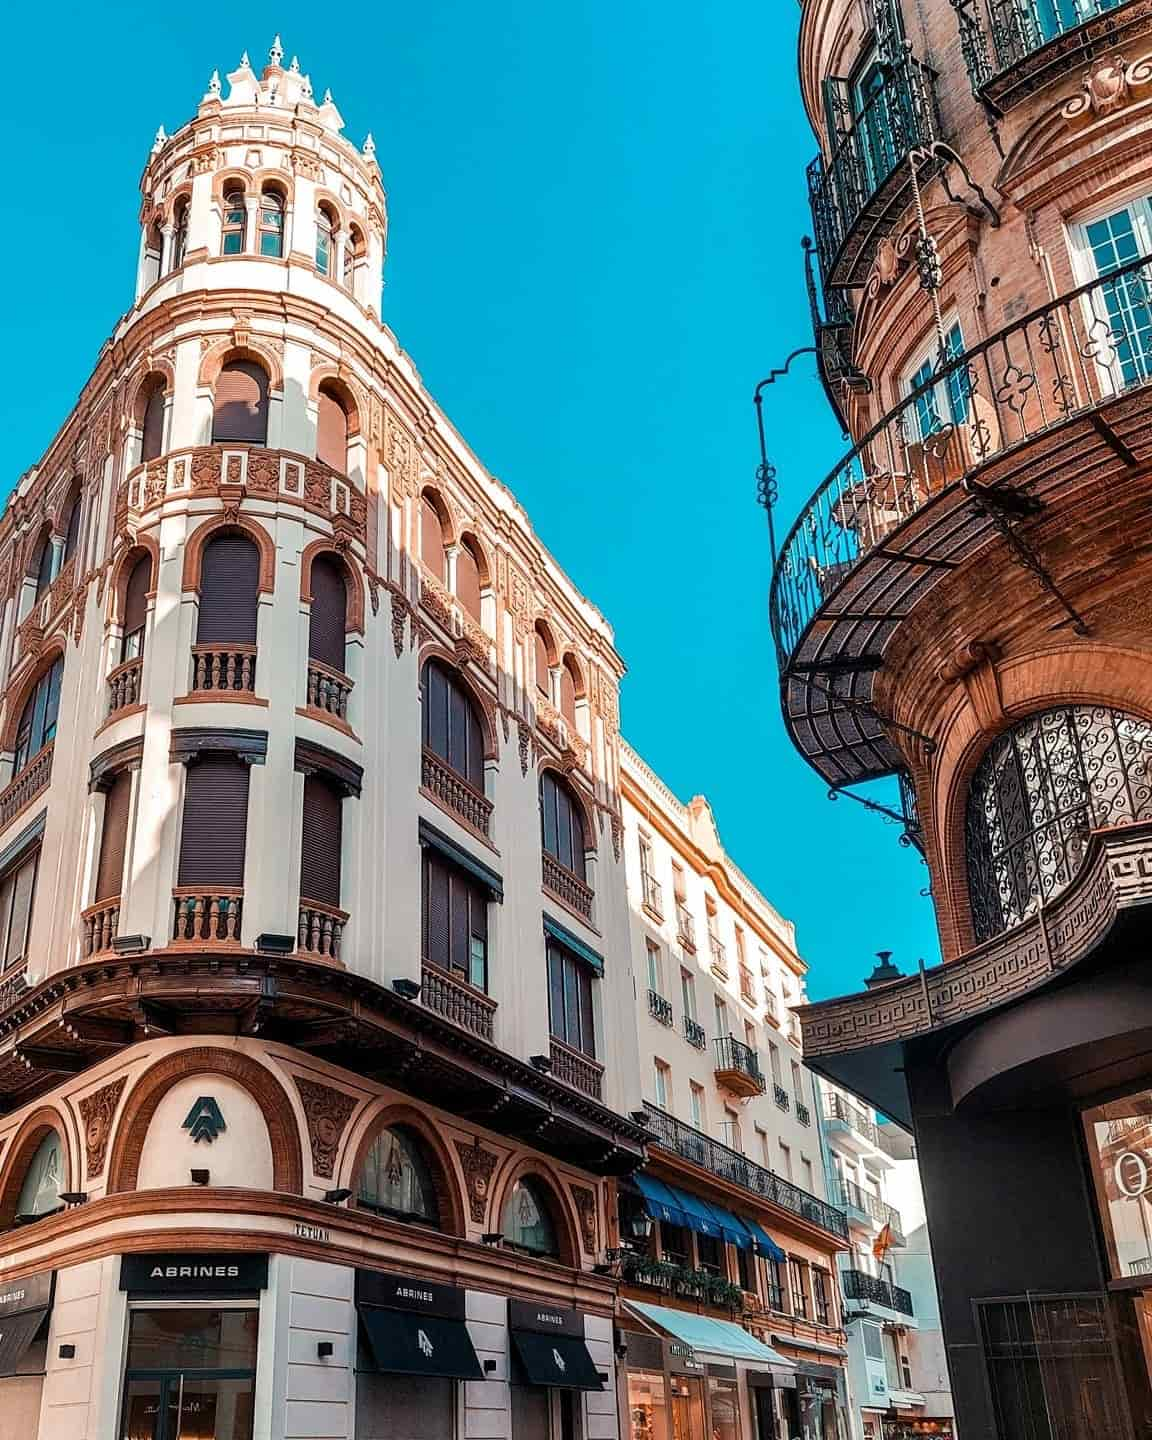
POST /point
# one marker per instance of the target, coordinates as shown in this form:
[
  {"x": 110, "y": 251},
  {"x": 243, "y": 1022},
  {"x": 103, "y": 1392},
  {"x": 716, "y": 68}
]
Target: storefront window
[
  {"x": 821, "y": 1416},
  {"x": 687, "y": 1408},
  {"x": 190, "y": 1374},
  {"x": 405, "y": 1407},
  {"x": 724, "y": 1399},
  {"x": 647, "y": 1406},
  {"x": 1119, "y": 1138}
]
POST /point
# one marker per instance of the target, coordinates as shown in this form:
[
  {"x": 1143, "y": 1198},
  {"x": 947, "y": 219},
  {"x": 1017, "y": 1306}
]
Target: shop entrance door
[
  {"x": 191, "y": 1374},
  {"x": 687, "y": 1407}
]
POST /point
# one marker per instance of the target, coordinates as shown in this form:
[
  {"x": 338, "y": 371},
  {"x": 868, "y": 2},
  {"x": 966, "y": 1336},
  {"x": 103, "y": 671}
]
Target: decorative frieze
[
  {"x": 327, "y": 1112},
  {"x": 96, "y": 1112},
  {"x": 478, "y": 1165}
]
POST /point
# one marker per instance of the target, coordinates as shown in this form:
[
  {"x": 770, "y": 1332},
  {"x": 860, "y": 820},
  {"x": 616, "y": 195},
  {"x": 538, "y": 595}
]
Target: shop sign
[
  {"x": 402, "y": 1292},
  {"x": 682, "y": 1358},
  {"x": 544, "y": 1319},
  {"x": 175, "y": 1274},
  {"x": 311, "y": 1232},
  {"x": 33, "y": 1292}
]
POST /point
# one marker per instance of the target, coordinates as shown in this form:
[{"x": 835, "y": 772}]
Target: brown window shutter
[
  {"x": 331, "y": 431},
  {"x": 72, "y": 533},
  {"x": 468, "y": 581},
  {"x": 568, "y": 695},
  {"x": 136, "y": 595},
  {"x": 437, "y": 911},
  {"x": 114, "y": 837},
  {"x": 542, "y": 666},
  {"x": 451, "y": 725},
  {"x": 321, "y": 838},
  {"x": 431, "y": 539},
  {"x": 328, "y": 615},
  {"x": 16, "y": 898},
  {"x": 563, "y": 828},
  {"x": 153, "y": 438},
  {"x": 229, "y": 588},
  {"x": 215, "y": 822},
  {"x": 240, "y": 407}
]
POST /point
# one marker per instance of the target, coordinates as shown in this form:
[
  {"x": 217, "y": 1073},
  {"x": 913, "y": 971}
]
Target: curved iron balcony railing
[
  {"x": 860, "y": 191},
  {"x": 1013, "y": 48},
  {"x": 893, "y": 515}
]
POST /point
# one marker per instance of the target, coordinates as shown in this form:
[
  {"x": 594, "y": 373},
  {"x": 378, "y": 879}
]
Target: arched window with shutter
[
  {"x": 331, "y": 428},
  {"x": 562, "y": 824},
  {"x": 542, "y": 651},
  {"x": 114, "y": 837},
  {"x": 17, "y": 894},
  {"x": 571, "y": 689},
  {"x": 152, "y": 420},
  {"x": 470, "y": 576},
  {"x": 40, "y": 564},
  {"x": 235, "y": 222},
  {"x": 229, "y": 590},
  {"x": 240, "y": 405},
  {"x": 72, "y": 525},
  {"x": 179, "y": 233},
  {"x": 325, "y": 240},
  {"x": 354, "y": 252},
  {"x": 328, "y": 613},
  {"x": 153, "y": 255},
  {"x": 432, "y": 537},
  {"x": 136, "y": 609},
  {"x": 37, "y": 726},
  {"x": 451, "y": 723},
  {"x": 271, "y": 242}
]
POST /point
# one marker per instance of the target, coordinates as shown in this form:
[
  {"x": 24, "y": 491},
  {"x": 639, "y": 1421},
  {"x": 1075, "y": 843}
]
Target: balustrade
[
  {"x": 566, "y": 886},
  {"x": 328, "y": 690},
  {"x": 124, "y": 685},
  {"x": 101, "y": 925},
  {"x": 457, "y": 1001},
  {"x": 26, "y": 786},
  {"x": 320, "y": 928},
  {"x": 578, "y": 1070},
  {"x": 206, "y": 917},
  {"x": 229, "y": 668},
  {"x": 455, "y": 793}
]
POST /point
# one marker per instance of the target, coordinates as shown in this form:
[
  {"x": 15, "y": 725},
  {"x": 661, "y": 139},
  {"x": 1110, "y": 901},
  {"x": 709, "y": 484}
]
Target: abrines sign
[
  {"x": 34, "y": 1292},
  {"x": 171, "y": 1275},
  {"x": 402, "y": 1292},
  {"x": 544, "y": 1319}
]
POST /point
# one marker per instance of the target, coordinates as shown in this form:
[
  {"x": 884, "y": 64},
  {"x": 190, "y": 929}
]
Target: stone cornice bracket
[{"x": 974, "y": 667}]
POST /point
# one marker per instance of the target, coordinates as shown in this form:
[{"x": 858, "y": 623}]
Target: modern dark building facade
[{"x": 963, "y": 605}]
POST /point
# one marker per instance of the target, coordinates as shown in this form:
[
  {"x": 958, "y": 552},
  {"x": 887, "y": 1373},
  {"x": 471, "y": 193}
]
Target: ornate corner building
[
  {"x": 314, "y": 1060},
  {"x": 963, "y": 604}
]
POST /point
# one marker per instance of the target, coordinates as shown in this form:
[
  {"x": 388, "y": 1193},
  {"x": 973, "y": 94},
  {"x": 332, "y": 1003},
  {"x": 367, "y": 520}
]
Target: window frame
[
  {"x": 31, "y": 725},
  {"x": 572, "y": 991},
  {"x": 948, "y": 401},
  {"x": 266, "y": 231},
  {"x": 230, "y": 228}
]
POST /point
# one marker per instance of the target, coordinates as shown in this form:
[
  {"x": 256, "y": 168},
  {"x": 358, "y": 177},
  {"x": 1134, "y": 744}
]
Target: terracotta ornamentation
[
  {"x": 96, "y": 1112},
  {"x": 327, "y": 1112},
  {"x": 585, "y": 1202},
  {"x": 400, "y": 612},
  {"x": 478, "y": 1165}
]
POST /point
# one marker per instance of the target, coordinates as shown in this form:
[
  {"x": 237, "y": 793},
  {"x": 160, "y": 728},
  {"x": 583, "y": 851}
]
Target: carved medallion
[
  {"x": 478, "y": 1165},
  {"x": 585, "y": 1202},
  {"x": 96, "y": 1112},
  {"x": 327, "y": 1112}
]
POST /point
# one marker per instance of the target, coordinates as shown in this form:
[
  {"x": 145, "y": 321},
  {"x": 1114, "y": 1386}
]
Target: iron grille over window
[{"x": 1034, "y": 798}]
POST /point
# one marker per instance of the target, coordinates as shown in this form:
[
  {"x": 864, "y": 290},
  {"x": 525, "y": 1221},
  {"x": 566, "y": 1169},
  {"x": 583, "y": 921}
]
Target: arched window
[
  {"x": 1038, "y": 791},
  {"x": 271, "y": 241},
  {"x": 331, "y": 428},
  {"x": 527, "y": 1222},
  {"x": 328, "y": 614},
  {"x": 136, "y": 609},
  {"x": 152, "y": 419},
  {"x": 43, "y": 1181},
  {"x": 432, "y": 537},
  {"x": 179, "y": 233},
  {"x": 396, "y": 1178},
  {"x": 240, "y": 405},
  {"x": 153, "y": 254},
  {"x": 72, "y": 527},
  {"x": 469, "y": 575},
  {"x": 571, "y": 689},
  {"x": 235, "y": 222},
  {"x": 41, "y": 564},
  {"x": 354, "y": 249},
  {"x": 325, "y": 240},
  {"x": 37, "y": 726},
  {"x": 542, "y": 651},
  {"x": 451, "y": 723},
  {"x": 562, "y": 824},
  {"x": 229, "y": 590}
]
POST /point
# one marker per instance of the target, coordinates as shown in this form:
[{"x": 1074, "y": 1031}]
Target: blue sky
[{"x": 595, "y": 215}]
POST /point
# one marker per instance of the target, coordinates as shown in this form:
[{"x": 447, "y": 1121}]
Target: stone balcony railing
[
  {"x": 328, "y": 690},
  {"x": 124, "y": 685},
  {"x": 576, "y": 1069},
  {"x": 454, "y": 999},
  {"x": 454, "y": 792},
  {"x": 100, "y": 924},
  {"x": 204, "y": 916},
  {"x": 566, "y": 886},
  {"x": 320, "y": 929},
  {"x": 224, "y": 668},
  {"x": 24, "y": 788}
]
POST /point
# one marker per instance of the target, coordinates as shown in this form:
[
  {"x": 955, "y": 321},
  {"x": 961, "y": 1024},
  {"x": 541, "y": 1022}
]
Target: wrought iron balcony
[
  {"x": 653, "y": 895},
  {"x": 854, "y": 1197},
  {"x": 860, "y": 191},
  {"x": 737, "y": 1066},
  {"x": 659, "y": 1008},
  {"x": 694, "y": 1033},
  {"x": 803, "y": 1114},
  {"x": 780, "y": 1095},
  {"x": 685, "y": 927},
  {"x": 895, "y": 515},
  {"x": 859, "y": 1285},
  {"x": 693, "y": 1145},
  {"x": 836, "y": 1108},
  {"x": 1013, "y": 48}
]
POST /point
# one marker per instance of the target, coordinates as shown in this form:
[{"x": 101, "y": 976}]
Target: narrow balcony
[
  {"x": 566, "y": 886},
  {"x": 718, "y": 956},
  {"x": 659, "y": 1008},
  {"x": 580, "y": 1071},
  {"x": 860, "y": 191},
  {"x": 737, "y": 1066},
  {"x": 859, "y": 1285},
  {"x": 203, "y": 917},
  {"x": 21, "y": 791},
  {"x": 849, "y": 1124},
  {"x": 222, "y": 670},
  {"x": 903, "y": 510},
  {"x": 652, "y": 896},
  {"x": 124, "y": 685},
  {"x": 693, "y": 1145},
  {"x": 1013, "y": 48},
  {"x": 803, "y": 1114},
  {"x": 457, "y": 1001},
  {"x": 868, "y": 1209},
  {"x": 685, "y": 928},
  {"x": 455, "y": 794},
  {"x": 320, "y": 929},
  {"x": 328, "y": 690},
  {"x": 100, "y": 925},
  {"x": 680, "y": 1282},
  {"x": 694, "y": 1033},
  {"x": 780, "y": 1095}
]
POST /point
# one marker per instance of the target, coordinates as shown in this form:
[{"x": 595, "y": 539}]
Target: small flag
[{"x": 882, "y": 1244}]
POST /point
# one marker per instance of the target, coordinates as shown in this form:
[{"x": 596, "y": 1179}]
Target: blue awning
[
  {"x": 681, "y": 1207},
  {"x": 712, "y": 1337},
  {"x": 660, "y": 1201},
  {"x": 560, "y": 933},
  {"x": 763, "y": 1243}
]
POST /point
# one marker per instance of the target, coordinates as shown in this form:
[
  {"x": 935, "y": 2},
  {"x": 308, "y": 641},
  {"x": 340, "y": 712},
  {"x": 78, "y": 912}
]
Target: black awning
[
  {"x": 17, "y": 1332},
  {"x": 562, "y": 1361},
  {"x": 404, "y": 1342}
]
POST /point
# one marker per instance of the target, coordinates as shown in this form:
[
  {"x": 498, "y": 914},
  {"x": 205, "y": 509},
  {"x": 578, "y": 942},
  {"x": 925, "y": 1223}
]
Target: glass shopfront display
[
  {"x": 724, "y": 1403},
  {"x": 686, "y": 1396},
  {"x": 647, "y": 1405},
  {"x": 1119, "y": 1137},
  {"x": 190, "y": 1373}
]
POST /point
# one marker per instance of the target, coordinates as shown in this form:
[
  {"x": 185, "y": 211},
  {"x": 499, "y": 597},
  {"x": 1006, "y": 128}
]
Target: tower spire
[{"x": 276, "y": 54}]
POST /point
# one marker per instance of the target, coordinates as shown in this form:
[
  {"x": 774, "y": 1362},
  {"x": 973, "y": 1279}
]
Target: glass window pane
[
  {"x": 208, "y": 1409},
  {"x": 203, "y": 1339},
  {"x": 141, "y": 1410}
]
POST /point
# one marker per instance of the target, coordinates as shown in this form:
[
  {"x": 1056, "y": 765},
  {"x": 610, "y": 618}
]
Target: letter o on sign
[{"x": 1131, "y": 1174}]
